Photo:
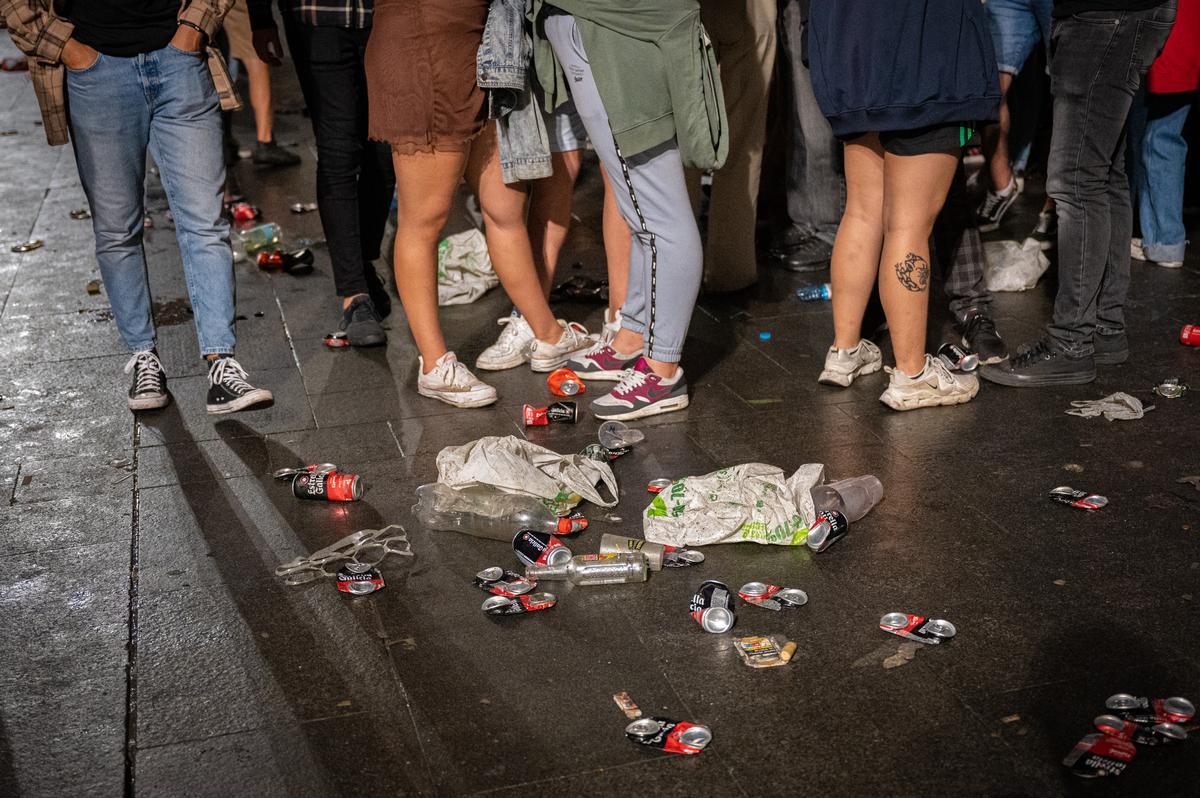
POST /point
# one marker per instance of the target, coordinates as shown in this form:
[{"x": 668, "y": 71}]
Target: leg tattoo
[{"x": 913, "y": 273}]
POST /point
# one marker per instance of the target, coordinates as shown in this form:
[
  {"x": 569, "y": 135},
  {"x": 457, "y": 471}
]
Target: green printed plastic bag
[{"x": 749, "y": 503}]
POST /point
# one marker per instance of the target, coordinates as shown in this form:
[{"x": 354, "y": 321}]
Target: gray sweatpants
[{"x": 666, "y": 260}]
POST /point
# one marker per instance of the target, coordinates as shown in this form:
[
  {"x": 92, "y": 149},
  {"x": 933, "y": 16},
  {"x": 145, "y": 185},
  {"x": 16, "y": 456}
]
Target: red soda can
[
  {"x": 323, "y": 482},
  {"x": 244, "y": 212},
  {"x": 677, "y": 737},
  {"x": 1190, "y": 335},
  {"x": 564, "y": 382},
  {"x": 565, "y": 412},
  {"x": 359, "y": 579},
  {"x": 539, "y": 548}
]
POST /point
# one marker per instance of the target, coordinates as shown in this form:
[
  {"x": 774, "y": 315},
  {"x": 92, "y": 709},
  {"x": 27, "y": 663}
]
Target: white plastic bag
[
  {"x": 753, "y": 502},
  {"x": 517, "y": 466},
  {"x": 1012, "y": 266},
  {"x": 464, "y": 268}
]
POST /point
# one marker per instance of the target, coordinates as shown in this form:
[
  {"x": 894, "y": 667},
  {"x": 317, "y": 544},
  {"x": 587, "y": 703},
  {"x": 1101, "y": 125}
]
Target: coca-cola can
[{"x": 713, "y": 607}]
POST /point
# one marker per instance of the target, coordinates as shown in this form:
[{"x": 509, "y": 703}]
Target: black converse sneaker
[
  {"x": 149, "y": 388},
  {"x": 228, "y": 390}
]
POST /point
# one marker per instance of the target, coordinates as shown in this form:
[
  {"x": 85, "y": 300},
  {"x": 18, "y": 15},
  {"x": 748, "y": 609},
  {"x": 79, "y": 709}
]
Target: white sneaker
[
  {"x": 934, "y": 386},
  {"x": 1138, "y": 252},
  {"x": 511, "y": 348},
  {"x": 548, "y": 357},
  {"x": 453, "y": 383},
  {"x": 843, "y": 366},
  {"x": 611, "y": 326}
]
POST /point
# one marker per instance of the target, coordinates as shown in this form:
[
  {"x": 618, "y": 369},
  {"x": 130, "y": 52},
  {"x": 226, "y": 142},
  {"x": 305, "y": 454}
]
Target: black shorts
[{"x": 949, "y": 138}]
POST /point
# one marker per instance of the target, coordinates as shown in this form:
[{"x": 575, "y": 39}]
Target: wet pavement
[{"x": 148, "y": 648}]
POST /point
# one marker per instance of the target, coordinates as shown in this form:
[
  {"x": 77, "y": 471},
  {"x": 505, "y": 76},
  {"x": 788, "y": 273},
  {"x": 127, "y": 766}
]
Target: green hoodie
[{"x": 656, "y": 72}]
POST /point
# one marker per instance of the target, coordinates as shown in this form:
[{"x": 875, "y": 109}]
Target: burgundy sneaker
[
  {"x": 602, "y": 362},
  {"x": 642, "y": 393}
]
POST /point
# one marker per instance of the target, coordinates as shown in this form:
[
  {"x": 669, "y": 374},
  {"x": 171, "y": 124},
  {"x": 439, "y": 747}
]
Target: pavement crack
[{"x": 131, "y": 663}]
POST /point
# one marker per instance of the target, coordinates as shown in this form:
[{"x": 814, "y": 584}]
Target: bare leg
[
  {"x": 859, "y": 239},
  {"x": 616, "y": 250},
  {"x": 995, "y": 141},
  {"x": 259, "y": 75},
  {"x": 550, "y": 214},
  {"x": 507, "y": 237},
  {"x": 914, "y": 189},
  {"x": 425, "y": 186}
]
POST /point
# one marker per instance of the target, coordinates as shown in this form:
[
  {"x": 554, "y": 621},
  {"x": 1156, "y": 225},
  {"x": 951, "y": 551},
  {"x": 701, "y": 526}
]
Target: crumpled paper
[
  {"x": 1114, "y": 407},
  {"x": 515, "y": 465},
  {"x": 752, "y": 502},
  {"x": 1012, "y": 266},
  {"x": 465, "y": 270}
]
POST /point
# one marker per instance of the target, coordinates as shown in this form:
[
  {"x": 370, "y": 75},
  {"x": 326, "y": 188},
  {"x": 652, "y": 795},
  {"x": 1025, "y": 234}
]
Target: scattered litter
[
  {"x": 1100, "y": 755},
  {"x": 561, "y": 412},
  {"x": 764, "y": 652},
  {"x": 299, "y": 261},
  {"x": 1189, "y": 335},
  {"x": 147, "y": 222},
  {"x": 539, "y": 548},
  {"x": 499, "y": 582},
  {"x": 93, "y": 287},
  {"x": 310, "y": 243},
  {"x": 564, "y": 382},
  {"x": 29, "y": 246},
  {"x": 593, "y": 569},
  {"x": 259, "y": 237},
  {"x": 323, "y": 482},
  {"x": 713, "y": 607},
  {"x": 1060, "y": 582},
  {"x": 764, "y": 336},
  {"x": 1171, "y": 388},
  {"x": 626, "y": 704},
  {"x": 619, "y": 435},
  {"x": 1193, "y": 481},
  {"x": 1134, "y": 722},
  {"x": 656, "y": 554},
  {"x": 1074, "y": 468},
  {"x": 5, "y": 133},
  {"x": 814, "y": 293},
  {"x": 14, "y": 65},
  {"x": 488, "y": 512},
  {"x": 772, "y": 597},
  {"x": 303, "y": 207},
  {"x": 1012, "y": 266},
  {"x": 681, "y": 558},
  {"x": 956, "y": 358},
  {"x": 1010, "y": 718},
  {"x": 123, "y": 464},
  {"x": 518, "y": 605},
  {"x": 337, "y": 340},
  {"x": 658, "y": 485},
  {"x": 359, "y": 579},
  {"x": 244, "y": 212},
  {"x": 81, "y": 213},
  {"x": 905, "y": 653},
  {"x": 367, "y": 547},
  {"x": 673, "y": 736},
  {"x": 916, "y": 627},
  {"x": 464, "y": 267},
  {"x": 763, "y": 401},
  {"x": 1114, "y": 407},
  {"x": 1151, "y": 710},
  {"x": 580, "y": 289},
  {"x": 1078, "y": 498}
]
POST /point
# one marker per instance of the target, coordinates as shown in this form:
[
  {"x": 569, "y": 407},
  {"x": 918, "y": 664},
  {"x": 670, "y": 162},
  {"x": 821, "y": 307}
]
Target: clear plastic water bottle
[
  {"x": 593, "y": 569},
  {"x": 814, "y": 293},
  {"x": 262, "y": 236},
  {"x": 487, "y": 513}
]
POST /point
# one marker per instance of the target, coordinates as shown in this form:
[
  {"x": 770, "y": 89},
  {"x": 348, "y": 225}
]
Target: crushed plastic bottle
[
  {"x": 840, "y": 504},
  {"x": 487, "y": 513},
  {"x": 814, "y": 293}
]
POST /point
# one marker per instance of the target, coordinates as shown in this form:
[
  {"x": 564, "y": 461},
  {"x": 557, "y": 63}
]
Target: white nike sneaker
[
  {"x": 935, "y": 385},
  {"x": 545, "y": 356},
  {"x": 453, "y": 383},
  {"x": 843, "y": 366},
  {"x": 511, "y": 348},
  {"x": 611, "y": 326}
]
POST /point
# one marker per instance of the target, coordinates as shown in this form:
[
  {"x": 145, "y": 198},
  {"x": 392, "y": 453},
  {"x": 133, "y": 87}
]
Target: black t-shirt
[
  {"x": 1065, "y": 8},
  {"x": 124, "y": 28}
]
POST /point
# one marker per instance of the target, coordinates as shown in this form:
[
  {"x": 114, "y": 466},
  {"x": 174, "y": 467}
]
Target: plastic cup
[{"x": 859, "y": 495}]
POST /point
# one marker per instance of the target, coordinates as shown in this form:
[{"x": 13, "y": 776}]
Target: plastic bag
[
  {"x": 753, "y": 502},
  {"x": 517, "y": 466},
  {"x": 464, "y": 268},
  {"x": 1012, "y": 266}
]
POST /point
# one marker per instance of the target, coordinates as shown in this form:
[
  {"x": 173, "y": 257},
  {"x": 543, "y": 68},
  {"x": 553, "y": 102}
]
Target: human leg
[
  {"x": 1162, "y": 153},
  {"x": 550, "y": 213}
]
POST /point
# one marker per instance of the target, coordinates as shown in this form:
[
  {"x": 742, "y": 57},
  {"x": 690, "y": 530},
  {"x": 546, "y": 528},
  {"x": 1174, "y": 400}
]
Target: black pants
[
  {"x": 355, "y": 180},
  {"x": 1097, "y": 62}
]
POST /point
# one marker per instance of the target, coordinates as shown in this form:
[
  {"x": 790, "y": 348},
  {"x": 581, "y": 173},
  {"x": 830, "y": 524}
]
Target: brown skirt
[{"x": 420, "y": 65}]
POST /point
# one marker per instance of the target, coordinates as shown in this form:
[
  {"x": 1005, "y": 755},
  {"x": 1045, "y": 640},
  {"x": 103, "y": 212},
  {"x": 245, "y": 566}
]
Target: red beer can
[{"x": 1190, "y": 335}]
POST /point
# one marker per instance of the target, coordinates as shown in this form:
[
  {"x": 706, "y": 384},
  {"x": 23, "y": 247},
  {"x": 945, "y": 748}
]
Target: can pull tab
[{"x": 316, "y": 468}]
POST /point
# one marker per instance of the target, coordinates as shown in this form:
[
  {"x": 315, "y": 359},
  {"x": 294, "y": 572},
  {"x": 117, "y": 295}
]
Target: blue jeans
[
  {"x": 165, "y": 101},
  {"x": 1159, "y": 154},
  {"x": 1017, "y": 27}
]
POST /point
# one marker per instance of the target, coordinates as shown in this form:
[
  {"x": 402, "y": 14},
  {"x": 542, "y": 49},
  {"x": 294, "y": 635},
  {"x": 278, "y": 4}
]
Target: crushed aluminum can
[
  {"x": 772, "y": 597},
  {"x": 1189, "y": 335},
  {"x": 1175, "y": 709},
  {"x": 518, "y": 605},
  {"x": 539, "y": 548},
  {"x": 299, "y": 261},
  {"x": 323, "y": 482},
  {"x": 658, "y": 485},
  {"x": 1099, "y": 755},
  {"x": 563, "y": 412},
  {"x": 81, "y": 213},
  {"x": 682, "y": 558},
  {"x": 244, "y": 212},
  {"x": 302, "y": 207},
  {"x": 1078, "y": 498},
  {"x": 677, "y": 737},
  {"x": 29, "y": 246},
  {"x": 594, "y": 451},
  {"x": 956, "y": 358},
  {"x": 500, "y": 582},
  {"x": 828, "y": 528},
  {"x": 916, "y": 627},
  {"x": 1171, "y": 388},
  {"x": 713, "y": 607},
  {"x": 359, "y": 579},
  {"x": 564, "y": 382},
  {"x": 1158, "y": 734},
  {"x": 337, "y": 340}
]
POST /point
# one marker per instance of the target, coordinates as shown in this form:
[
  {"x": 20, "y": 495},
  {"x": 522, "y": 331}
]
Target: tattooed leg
[{"x": 913, "y": 273}]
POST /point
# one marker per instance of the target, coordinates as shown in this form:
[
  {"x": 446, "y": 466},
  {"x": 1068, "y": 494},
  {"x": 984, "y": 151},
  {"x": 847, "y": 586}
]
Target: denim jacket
[{"x": 502, "y": 70}]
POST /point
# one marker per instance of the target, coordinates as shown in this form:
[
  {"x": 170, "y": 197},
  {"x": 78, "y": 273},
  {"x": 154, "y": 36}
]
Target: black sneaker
[
  {"x": 1045, "y": 232},
  {"x": 810, "y": 255},
  {"x": 1041, "y": 364},
  {"x": 228, "y": 390},
  {"x": 1112, "y": 348},
  {"x": 269, "y": 153},
  {"x": 149, "y": 388},
  {"x": 994, "y": 206},
  {"x": 979, "y": 336},
  {"x": 377, "y": 289},
  {"x": 360, "y": 323}
]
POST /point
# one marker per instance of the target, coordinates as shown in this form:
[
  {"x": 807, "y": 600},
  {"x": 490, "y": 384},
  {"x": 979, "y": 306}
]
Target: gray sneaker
[
  {"x": 844, "y": 366},
  {"x": 361, "y": 324},
  {"x": 269, "y": 153},
  {"x": 936, "y": 385}
]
